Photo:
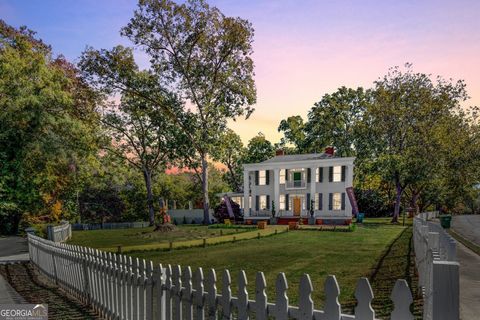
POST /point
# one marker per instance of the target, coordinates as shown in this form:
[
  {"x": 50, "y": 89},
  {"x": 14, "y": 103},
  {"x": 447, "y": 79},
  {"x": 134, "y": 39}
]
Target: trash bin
[
  {"x": 445, "y": 220},
  {"x": 360, "y": 217}
]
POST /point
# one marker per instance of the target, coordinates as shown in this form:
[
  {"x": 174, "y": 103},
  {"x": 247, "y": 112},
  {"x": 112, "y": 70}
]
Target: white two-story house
[{"x": 292, "y": 183}]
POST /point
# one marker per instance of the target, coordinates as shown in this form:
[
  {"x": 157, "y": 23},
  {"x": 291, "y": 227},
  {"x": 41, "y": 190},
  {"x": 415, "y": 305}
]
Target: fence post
[
  {"x": 445, "y": 290},
  {"x": 50, "y": 233},
  {"x": 53, "y": 252}
]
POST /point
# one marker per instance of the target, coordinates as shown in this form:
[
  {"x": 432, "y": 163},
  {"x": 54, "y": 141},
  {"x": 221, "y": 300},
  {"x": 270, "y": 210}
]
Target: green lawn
[
  {"x": 348, "y": 255},
  {"x": 103, "y": 239}
]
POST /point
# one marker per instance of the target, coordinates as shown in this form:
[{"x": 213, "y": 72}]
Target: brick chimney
[
  {"x": 279, "y": 152},
  {"x": 330, "y": 151}
]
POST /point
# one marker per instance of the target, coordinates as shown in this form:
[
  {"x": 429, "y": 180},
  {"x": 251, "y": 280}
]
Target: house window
[
  {"x": 337, "y": 173},
  {"x": 317, "y": 175},
  {"x": 262, "y": 202},
  {"x": 282, "y": 176},
  {"x": 337, "y": 201},
  {"x": 282, "y": 202},
  {"x": 262, "y": 177},
  {"x": 297, "y": 179}
]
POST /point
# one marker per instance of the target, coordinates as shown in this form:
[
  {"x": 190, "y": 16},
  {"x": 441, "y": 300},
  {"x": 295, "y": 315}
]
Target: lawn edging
[{"x": 185, "y": 244}]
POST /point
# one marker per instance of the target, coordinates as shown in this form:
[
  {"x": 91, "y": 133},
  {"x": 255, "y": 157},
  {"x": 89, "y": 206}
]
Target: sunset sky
[{"x": 303, "y": 49}]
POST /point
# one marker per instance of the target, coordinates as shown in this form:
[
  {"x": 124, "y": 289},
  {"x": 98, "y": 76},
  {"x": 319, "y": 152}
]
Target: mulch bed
[{"x": 26, "y": 282}]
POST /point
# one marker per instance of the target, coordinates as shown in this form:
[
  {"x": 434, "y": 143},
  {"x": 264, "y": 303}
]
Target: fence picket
[
  {"x": 168, "y": 293},
  {"x": 402, "y": 299},
  {"x": 149, "y": 291},
  {"x": 141, "y": 289},
  {"x": 364, "y": 295},
  {"x": 211, "y": 294},
  {"x": 226, "y": 300},
  {"x": 305, "y": 307},
  {"x": 281, "y": 302},
  {"x": 332, "y": 306},
  {"x": 199, "y": 293},
  {"x": 177, "y": 293},
  {"x": 242, "y": 301},
  {"x": 188, "y": 293},
  {"x": 260, "y": 305},
  {"x": 158, "y": 275}
]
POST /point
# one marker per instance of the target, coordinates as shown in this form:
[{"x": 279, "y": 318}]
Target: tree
[
  {"x": 48, "y": 128},
  {"x": 403, "y": 121},
  {"x": 332, "y": 121},
  {"x": 258, "y": 149},
  {"x": 230, "y": 152},
  {"x": 294, "y": 133},
  {"x": 205, "y": 57},
  {"x": 140, "y": 134}
]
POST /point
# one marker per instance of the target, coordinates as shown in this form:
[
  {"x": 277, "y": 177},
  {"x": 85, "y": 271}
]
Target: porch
[{"x": 284, "y": 217}]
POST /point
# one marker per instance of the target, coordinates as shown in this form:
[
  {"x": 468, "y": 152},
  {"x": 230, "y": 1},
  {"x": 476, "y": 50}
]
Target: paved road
[
  {"x": 469, "y": 283},
  {"x": 468, "y": 226}
]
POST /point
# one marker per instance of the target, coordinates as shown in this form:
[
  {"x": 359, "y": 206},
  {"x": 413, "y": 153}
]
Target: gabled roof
[{"x": 299, "y": 157}]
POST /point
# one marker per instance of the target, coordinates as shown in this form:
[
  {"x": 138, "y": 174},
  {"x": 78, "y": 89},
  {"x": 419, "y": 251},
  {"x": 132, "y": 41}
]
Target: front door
[{"x": 297, "y": 206}]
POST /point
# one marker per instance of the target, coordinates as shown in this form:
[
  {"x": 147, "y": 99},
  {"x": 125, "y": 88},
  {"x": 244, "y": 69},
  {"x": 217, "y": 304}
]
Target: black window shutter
[
  {"x": 330, "y": 201},
  {"x": 268, "y": 202},
  {"x": 257, "y": 203},
  {"x": 343, "y": 200},
  {"x": 308, "y": 200},
  {"x": 330, "y": 174},
  {"x": 320, "y": 176},
  {"x": 286, "y": 174},
  {"x": 267, "y": 177},
  {"x": 343, "y": 172},
  {"x": 256, "y": 178},
  {"x": 320, "y": 201},
  {"x": 309, "y": 175},
  {"x": 287, "y": 202}
]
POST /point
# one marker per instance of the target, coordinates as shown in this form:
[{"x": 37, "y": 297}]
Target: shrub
[{"x": 221, "y": 212}]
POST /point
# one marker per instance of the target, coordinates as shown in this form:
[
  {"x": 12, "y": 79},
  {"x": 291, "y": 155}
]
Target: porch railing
[{"x": 295, "y": 184}]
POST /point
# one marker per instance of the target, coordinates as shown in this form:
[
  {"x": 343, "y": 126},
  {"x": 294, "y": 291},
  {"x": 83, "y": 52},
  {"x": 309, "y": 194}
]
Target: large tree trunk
[
  {"x": 148, "y": 183},
  {"x": 398, "y": 198},
  {"x": 236, "y": 185},
  {"x": 206, "y": 205},
  {"x": 414, "y": 201}
]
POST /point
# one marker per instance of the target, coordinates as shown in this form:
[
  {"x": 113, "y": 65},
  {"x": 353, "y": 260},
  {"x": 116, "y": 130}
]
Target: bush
[{"x": 221, "y": 212}]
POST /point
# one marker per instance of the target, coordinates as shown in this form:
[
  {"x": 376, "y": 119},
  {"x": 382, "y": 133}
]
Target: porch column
[
  {"x": 276, "y": 189},
  {"x": 246, "y": 193},
  {"x": 313, "y": 185}
]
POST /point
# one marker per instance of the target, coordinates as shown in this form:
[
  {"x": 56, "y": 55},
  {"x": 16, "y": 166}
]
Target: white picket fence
[
  {"x": 60, "y": 233},
  {"x": 438, "y": 269},
  {"x": 428, "y": 215},
  {"x": 122, "y": 287}
]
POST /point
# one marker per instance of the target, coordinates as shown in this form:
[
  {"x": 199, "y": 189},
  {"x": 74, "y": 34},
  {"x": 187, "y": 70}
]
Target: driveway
[
  {"x": 13, "y": 248},
  {"x": 468, "y": 226}
]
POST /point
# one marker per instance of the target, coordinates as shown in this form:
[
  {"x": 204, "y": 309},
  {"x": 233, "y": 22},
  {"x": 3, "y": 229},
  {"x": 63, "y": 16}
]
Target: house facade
[{"x": 292, "y": 184}]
